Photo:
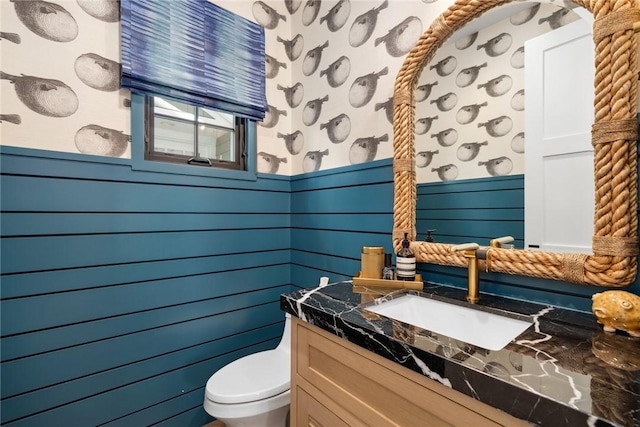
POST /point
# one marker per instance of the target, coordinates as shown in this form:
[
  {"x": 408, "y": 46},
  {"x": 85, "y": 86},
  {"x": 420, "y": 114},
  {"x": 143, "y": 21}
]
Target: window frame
[
  {"x": 239, "y": 145},
  {"x": 138, "y": 149}
]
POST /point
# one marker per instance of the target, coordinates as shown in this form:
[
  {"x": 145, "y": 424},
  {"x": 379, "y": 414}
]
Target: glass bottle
[
  {"x": 387, "y": 271},
  {"x": 405, "y": 261}
]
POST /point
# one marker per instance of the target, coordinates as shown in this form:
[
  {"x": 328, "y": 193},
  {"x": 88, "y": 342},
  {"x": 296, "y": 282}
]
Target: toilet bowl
[{"x": 253, "y": 391}]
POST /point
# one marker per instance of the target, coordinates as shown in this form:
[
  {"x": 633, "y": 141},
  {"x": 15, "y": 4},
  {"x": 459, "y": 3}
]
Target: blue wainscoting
[
  {"x": 333, "y": 214},
  {"x": 123, "y": 291},
  {"x": 472, "y": 210},
  {"x": 479, "y": 210}
]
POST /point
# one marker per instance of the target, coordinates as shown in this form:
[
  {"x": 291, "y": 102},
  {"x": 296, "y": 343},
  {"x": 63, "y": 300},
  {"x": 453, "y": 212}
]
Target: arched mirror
[{"x": 614, "y": 247}]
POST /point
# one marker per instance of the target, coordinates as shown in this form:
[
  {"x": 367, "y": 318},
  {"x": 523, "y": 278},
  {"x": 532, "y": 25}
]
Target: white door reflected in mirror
[{"x": 559, "y": 186}]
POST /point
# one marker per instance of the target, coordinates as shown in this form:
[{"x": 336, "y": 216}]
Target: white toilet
[{"x": 253, "y": 391}]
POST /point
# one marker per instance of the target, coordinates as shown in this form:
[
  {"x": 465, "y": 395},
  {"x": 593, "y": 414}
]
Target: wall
[
  {"x": 470, "y": 108},
  {"x": 123, "y": 291},
  {"x": 333, "y": 214}
]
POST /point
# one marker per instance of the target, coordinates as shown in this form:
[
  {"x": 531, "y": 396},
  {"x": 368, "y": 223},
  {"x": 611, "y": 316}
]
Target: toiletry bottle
[
  {"x": 387, "y": 271},
  {"x": 405, "y": 262}
]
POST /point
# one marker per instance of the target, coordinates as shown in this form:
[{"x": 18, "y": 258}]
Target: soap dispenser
[
  {"x": 405, "y": 262},
  {"x": 429, "y": 236}
]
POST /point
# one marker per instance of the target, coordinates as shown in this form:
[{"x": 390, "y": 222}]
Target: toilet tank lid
[{"x": 254, "y": 377}]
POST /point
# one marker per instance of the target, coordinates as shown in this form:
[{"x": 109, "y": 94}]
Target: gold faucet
[
  {"x": 498, "y": 242},
  {"x": 470, "y": 253}
]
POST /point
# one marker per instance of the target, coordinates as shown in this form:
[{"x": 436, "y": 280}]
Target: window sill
[{"x": 201, "y": 171}]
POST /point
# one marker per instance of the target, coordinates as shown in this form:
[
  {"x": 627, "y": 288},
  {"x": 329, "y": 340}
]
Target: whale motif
[
  {"x": 312, "y": 110},
  {"x": 497, "y": 45},
  {"x": 266, "y": 16},
  {"x": 48, "y": 97},
  {"x": 269, "y": 163},
  {"x": 365, "y": 149},
  {"x": 338, "y": 128},
  {"x": 364, "y": 87},
  {"x": 312, "y": 59},
  {"x": 100, "y": 141},
  {"x": 337, "y": 72},
  {"x": 337, "y": 15},
  {"x": 499, "y": 166},
  {"x": 402, "y": 38},
  {"x": 445, "y": 66},
  {"x": 424, "y": 158},
  {"x": 313, "y": 160},
  {"x": 364, "y": 25},
  {"x": 47, "y": 20}
]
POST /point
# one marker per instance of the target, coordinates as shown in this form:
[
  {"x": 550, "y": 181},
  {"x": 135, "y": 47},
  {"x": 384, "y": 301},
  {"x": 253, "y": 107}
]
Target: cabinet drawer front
[
  {"x": 364, "y": 384},
  {"x": 310, "y": 412}
]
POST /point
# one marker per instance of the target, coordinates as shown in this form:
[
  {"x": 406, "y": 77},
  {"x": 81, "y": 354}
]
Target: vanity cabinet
[{"x": 336, "y": 383}]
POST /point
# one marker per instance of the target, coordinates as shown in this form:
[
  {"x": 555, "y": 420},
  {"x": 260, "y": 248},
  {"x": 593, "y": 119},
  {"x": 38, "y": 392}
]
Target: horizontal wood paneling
[
  {"x": 472, "y": 210},
  {"x": 48, "y": 253},
  {"x": 123, "y": 291},
  {"x": 247, "y": 330},
  {"x": 35, "y": 194},
  {"x": 334, "y": 214},
  {"x": 106, "y": 302},
  {"x": 43, "y": 224},
  {"x": 26, "y": 284},
  {"x": 67, "y": 336}
]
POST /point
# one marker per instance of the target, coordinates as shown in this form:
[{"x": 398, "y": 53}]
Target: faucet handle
[
  {"x": 496, "y": 243},
  {"x": 464, "y": 247}
]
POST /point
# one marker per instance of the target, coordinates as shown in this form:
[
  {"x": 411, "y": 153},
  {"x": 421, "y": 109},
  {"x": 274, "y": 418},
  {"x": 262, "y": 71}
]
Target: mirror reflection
[{"x": 472, "y": 120}]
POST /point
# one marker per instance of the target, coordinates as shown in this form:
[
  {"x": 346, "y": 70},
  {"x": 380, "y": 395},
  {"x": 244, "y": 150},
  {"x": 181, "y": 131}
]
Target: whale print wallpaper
[
  {"x": 470, "y": 99},
  {"x": 60, "y": 77},
  {"x": 330, "y": 68}
]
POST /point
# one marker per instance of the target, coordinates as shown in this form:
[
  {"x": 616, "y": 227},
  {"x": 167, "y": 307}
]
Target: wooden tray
[{"x": 417, "y": 284}]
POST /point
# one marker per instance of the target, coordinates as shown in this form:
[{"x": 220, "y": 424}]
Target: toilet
[{"x": 253, "y": 391}]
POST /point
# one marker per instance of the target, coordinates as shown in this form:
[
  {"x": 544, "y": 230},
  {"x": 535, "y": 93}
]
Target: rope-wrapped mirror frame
[{"x": 614, "y": 137}]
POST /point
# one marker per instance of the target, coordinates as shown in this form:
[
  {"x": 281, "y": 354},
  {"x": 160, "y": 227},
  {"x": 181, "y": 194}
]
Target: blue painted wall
[
  {"x": 333, "y": 214},
  {"x": 330, "y": 223},
  {"x": 123, "y": 291}
]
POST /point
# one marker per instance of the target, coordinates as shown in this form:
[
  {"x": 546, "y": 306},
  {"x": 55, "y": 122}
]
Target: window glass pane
[
  {"x": 215, "y": 143},
  {"x": 173, "y": 137},
  {"x": 216, "y": 118},
  {"x": 172, "y": 108}
]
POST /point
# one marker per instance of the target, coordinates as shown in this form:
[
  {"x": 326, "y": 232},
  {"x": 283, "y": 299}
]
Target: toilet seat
[{"x": 254, "y": 377}]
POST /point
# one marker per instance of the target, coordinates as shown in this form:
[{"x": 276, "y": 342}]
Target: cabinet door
[
  {"x": 310, "y": 412},
  {"x": 365, "y": 389}
]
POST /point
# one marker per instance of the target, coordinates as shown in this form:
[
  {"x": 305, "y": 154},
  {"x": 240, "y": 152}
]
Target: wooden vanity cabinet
[{"x": 336, "y": 383}]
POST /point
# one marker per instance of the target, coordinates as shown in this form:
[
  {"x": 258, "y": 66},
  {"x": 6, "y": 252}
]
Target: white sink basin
[{"x": 487, "y": 330}]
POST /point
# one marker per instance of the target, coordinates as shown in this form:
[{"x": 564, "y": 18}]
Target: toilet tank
[{"x": 285, "y": 341}]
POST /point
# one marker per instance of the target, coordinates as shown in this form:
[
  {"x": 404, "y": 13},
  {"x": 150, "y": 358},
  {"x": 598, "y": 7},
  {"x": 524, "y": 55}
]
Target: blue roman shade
[{"x": 194, "y": 51}]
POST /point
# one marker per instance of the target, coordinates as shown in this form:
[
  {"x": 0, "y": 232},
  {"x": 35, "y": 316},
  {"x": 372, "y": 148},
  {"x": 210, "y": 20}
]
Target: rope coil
[
  {"x": 403, "y": 165},
  {"x": 614, "y": 22},
  {"x": 403, "y": 98},
  {"x": 614, "y": 130},
  {"x": 615, "y": 246},
  {"x": 573, "y": 267}
]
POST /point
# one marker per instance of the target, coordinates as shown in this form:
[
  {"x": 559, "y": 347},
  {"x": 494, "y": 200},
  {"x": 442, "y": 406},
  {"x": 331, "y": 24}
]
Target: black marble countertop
[{"x": 564, "y": 370}]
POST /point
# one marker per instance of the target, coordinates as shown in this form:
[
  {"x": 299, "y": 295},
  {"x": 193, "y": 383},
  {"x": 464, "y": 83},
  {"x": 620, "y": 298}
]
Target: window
[
  {"x": 179, "y": 132},
  {"x": 197, "y": 80}
]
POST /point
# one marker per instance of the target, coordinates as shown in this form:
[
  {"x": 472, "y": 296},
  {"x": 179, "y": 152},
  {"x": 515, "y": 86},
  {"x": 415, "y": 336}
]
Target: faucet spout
[
  {"x": 498, "y": 242},
  {"x": 473, "y": 276}
]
